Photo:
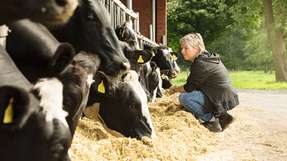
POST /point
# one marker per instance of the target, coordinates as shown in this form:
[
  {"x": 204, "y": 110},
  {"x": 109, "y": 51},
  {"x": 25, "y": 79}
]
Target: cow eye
[
  {"x": 91, "y": 16},
  {"x": 133, "y": 107}
]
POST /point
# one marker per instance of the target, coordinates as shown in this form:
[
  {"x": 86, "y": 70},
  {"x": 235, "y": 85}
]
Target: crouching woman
[{"x": 207, "y": 93}]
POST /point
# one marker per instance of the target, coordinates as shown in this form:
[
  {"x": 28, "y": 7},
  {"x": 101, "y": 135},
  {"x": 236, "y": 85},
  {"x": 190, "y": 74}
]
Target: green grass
[{"x": 244, "y": 80}]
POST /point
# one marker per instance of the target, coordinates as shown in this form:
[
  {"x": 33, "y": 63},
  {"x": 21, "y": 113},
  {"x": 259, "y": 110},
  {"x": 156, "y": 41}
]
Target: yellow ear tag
[
  {"x": 174, "y": 57},
  {"x": 101, "y": 87},
  {"x": 8, "y": 114},
  {"x": 140, "y": 59}
]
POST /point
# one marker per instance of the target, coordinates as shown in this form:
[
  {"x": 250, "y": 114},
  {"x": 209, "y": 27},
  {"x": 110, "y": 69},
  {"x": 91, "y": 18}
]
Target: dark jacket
[{"x": 209, "y": 75}]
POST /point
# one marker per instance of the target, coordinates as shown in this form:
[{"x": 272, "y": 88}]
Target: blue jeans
[{"x": 194, "y": 102}]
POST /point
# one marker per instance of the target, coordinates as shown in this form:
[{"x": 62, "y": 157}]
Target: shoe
[
  {"x": 225, "y": 120},
  {"x": 213, "y": 125}
]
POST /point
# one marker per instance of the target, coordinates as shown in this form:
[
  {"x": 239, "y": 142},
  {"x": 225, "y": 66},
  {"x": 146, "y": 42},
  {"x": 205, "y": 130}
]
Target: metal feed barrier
[{"x": 120, "y": 14}]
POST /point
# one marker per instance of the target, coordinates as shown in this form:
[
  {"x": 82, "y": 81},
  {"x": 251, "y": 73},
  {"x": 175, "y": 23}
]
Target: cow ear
[
  {"x": 14, "y": 108},
  {"x": 101, "y": 84},
  {"x": 174, "y": 55},
  {"x": 142, "y": 56},
  {"x": 63, "y": 57}
]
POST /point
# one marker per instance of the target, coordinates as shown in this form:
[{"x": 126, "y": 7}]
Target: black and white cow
[
  {"x": 126, "y": 34},
  {"x": 122, "y": 105},
  {"x": 37, "y": 53},
  {"x": 32, "y": 119},
  {"x": 149, "y": 76},
  {"x": 166, "y": 61},
  {"x": 77, "y": 78},
  {"x": 90, "y": 30},
  {"x": 46, "y": 11},
  {"x": 31, "y": 44}
]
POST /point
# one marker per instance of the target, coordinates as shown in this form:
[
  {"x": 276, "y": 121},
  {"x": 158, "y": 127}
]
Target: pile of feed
[{"x": 179, "y": 136}]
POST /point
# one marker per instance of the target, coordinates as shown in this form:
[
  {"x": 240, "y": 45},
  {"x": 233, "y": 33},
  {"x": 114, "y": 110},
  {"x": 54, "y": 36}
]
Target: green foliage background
[{"x": 234, "y": 29}]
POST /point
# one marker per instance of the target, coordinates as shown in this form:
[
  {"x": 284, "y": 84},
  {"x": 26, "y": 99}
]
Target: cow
[
  {"x": 140, "y": 124},
  {"x": 32, "y": 119},
  {"x": 166, "y": 61},
  {"x": 126, "y": 34},
  {"x": 31, "y": 44},
  {"x": 77, "y": 78},
  {"x": 90, "y": 30},
  {"x": 166, "y": 82},
  {"x": 122, "y": 105},
  {"x": 50, "y": 12},
  {"x": 149, "y": 76},
  {"x": 36, "y": 52}
]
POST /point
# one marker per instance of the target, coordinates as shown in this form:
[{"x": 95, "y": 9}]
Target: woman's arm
[{"x": 197, "y": 76}]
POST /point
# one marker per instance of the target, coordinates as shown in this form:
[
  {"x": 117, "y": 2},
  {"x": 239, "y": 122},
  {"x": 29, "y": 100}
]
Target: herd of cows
[{"x": 63, "y": 57}]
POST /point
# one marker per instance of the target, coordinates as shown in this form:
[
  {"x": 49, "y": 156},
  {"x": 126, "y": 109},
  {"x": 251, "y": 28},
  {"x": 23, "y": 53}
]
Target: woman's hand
[{"x": 175, "y": 89}]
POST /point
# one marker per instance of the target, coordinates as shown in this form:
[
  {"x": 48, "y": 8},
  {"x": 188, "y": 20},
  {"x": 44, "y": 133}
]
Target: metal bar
[
  {"x": 120, "y": 14},
  {"x": 130, "y": 4},
  {"x": 128, "y": 11},
  {"x": 153, "y": 19}
]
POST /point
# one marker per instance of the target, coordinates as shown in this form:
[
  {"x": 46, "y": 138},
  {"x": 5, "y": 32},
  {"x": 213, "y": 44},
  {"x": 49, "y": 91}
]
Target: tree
[
  {"x": 234, "y": 29},
  {"x": 206, "y": 17},
  {"x": 275, "y": 34}
]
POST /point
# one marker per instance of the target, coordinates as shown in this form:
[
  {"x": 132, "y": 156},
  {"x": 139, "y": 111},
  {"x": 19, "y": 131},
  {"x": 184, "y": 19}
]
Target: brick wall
[
  {"x": 144, "y": 7},
  {"x": 161, "y": 20}
]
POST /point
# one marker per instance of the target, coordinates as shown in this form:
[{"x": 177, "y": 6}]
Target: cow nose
[
  {"x": 173, "y": 74},
  {"x": 125, "y": 66},
  {"x": 61, "y": 2}
]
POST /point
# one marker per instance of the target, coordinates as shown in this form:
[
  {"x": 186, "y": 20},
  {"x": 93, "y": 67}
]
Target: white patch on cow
[
  {"x": 165, "y": 51},
  {"x": 51, "y": 94},
  {"x": 160, "y": 81},
  {"x": 130, "y": 27},
  {"x": 148, "y": 66},
  {"x": 132, "y": 79},
  {"x": 159, "y": 87},
  {"x": 176, "y": 67},
  {"x": 90, "y": 80}
]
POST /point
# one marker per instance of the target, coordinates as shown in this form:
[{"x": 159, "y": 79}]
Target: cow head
[
  {"x": 127, "y": 34},
  {"x": 166, "y": 61},
  {"x": 46, "y": 11},
  {"x": 151, "y": 80},
  {"x": 137, "y": 58},
  {"x": 96, "y": 35},
  {"x": 123, "y": 105},
  {"x": 34, "y": 128},
  {"x": 76, "y": 73},
  {"x": 166, "y": 82}
]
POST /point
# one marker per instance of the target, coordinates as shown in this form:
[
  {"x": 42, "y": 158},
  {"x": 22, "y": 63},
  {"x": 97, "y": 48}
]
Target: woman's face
[{"x": 188, "y": 52}]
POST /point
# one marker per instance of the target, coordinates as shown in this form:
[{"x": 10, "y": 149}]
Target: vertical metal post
[
  {"x": 112, "y": 13},
  {"x": 118, "y": 15},
  {"x": 151, "y": 32},
  {"x": 137, "y": 23},
  {"x": 153, "y": 19},
  {"x": 3, "y": 34},
  {"x": 130, "y": 4}
]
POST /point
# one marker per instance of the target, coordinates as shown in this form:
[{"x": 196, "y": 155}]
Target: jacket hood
[{"x": 209, "y": 57}]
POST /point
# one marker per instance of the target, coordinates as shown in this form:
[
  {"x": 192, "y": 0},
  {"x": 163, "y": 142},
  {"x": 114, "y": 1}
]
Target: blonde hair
[{"x": 193, "y": 40}]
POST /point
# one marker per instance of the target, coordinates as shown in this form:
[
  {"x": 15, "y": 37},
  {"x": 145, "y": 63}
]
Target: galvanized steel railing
[{"x": 120, "y": 14}]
